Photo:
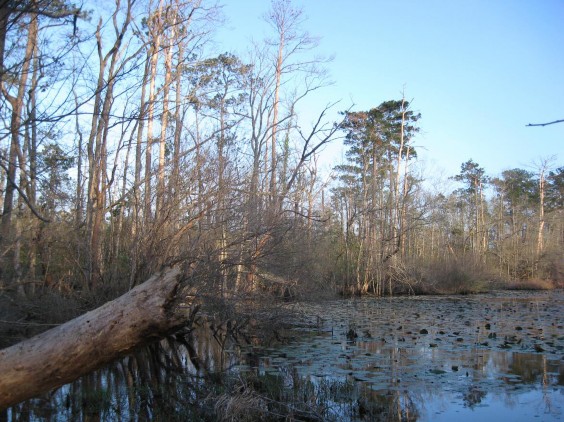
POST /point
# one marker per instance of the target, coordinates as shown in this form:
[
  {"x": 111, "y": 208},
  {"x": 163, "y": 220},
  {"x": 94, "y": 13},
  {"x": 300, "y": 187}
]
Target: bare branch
[
  {"x": 545, "y": 124},
  {"x": 22, "y": 194}
]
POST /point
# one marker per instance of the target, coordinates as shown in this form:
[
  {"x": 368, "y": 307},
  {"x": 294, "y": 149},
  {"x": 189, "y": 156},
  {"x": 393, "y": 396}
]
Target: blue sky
[{"x": 477, "y": 70}]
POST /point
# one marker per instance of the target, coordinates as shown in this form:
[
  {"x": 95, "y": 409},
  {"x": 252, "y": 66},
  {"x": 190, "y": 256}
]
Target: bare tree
[
  {"x": 112, "y": 64},
  {"x": 291, "y": 41}
]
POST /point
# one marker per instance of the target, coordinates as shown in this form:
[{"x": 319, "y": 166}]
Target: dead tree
[{"x": 49, "y": 360}]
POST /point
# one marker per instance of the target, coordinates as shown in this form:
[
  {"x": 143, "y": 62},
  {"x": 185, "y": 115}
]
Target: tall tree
[
  {"x": 517, "y": 192},
  {"x": 20, "y": 63},
  {"x": 112, "y": 64},
  {"x": 554, "y": 197},
  {"x": 474, "y": 179},
  {"x": 290, "y": 41},
  {"x": 379, "y": 141}
]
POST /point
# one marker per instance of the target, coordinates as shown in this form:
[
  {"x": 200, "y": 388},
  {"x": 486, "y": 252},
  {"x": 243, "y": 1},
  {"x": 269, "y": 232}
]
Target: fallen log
[{"x": 64, "y": 353}]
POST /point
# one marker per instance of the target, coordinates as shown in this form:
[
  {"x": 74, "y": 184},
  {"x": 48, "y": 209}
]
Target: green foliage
[
  {"x": 554, "y": 198},
  {"x": 374, "y": 191},
  {"x": 472, "y": 176},
  {"x": 218, "y": 82},
  {"x": 54, "y": 163},
  {"x": 517, "y": 187},
  {"x": 378, "y": 131},
  {"x": 374, "y": 139},
  {"x": 55, "y": 159}
]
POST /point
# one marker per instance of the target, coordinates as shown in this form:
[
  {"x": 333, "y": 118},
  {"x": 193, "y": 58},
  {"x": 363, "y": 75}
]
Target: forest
[{"x": 127, "y": 147}]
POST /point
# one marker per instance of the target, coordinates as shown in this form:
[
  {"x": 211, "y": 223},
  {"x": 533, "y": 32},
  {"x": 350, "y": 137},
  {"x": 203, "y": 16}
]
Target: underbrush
[
  {"x": 455, "y": 277},
  {"x": 24, "y": 316},
  {"x": 468, "y": 276},
  {"x": 423, "y": 278},
  {"x": 268, "y": 397},
  {"x": 532, "y": 284},
  {"x": 284, "y": 395}
]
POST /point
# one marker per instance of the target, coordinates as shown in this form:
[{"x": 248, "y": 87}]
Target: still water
[
  {"x": 460, "y": 358},
  {"x": 436, "y": 358}
]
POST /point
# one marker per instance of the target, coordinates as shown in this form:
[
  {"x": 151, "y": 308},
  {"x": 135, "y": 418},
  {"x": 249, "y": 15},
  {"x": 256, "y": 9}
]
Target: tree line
[{"x": 126, "y": 146}]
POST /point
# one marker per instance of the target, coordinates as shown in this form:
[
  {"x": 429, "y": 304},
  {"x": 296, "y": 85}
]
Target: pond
[
  {"x": 434, "y": 358},
  {"x": 497, "y": 355}
]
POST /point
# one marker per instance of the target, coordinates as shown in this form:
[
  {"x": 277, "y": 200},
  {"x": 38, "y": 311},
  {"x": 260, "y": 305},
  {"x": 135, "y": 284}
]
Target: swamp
[
  {"x": 236, "y": 221},
  {"x": 424, "y": 358}
]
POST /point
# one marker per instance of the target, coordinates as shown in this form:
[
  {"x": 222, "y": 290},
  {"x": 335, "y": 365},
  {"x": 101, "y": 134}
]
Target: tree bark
[
  {"x": 540, "y": 238},
  {"x": 164, "y": 117},
  {"x": 155, "y": 33},
  {"x": 7, "y": 226},
  {"x": 279, "y": 63},
  {"x": 63, "y": 354}
]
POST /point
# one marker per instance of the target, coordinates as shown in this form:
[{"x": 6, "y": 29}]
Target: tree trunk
[
  {"x": 540, "y": 239},
  {"x": 63, "y": 354},
  {"x": 178, "y": 120},
  {"x": 156, "y": 42},
  {"x": 137, "y": 224},
  {"x": 279, "y": 63},
  {"x": 17, "y": 104},
  {"x": 396, "y": 222},
  {"x": 79, "y": 206},
  {"x": 402, "y": 219},
  {"x": 164, "y": 118}
]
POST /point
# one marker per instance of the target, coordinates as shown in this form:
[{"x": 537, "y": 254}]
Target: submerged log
[{"x": 64, "y": 353}]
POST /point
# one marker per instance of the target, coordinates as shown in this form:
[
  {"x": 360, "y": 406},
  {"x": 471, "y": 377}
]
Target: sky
[{"x": 478, "y": 71}]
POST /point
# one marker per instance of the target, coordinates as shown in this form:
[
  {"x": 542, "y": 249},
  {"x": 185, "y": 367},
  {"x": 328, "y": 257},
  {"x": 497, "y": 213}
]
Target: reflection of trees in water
[
  {"x": 336, "y": 399},
  {"x": 182, "y": 377},
  {"x": 534, "y": 369},
  {"x": 473, "y": 396},
  {"x": 530, "y": 368},
  {"x": 356, "y": 400},
  {"x": 166, "y": 380},
  {"x": 390, "y": 406}
]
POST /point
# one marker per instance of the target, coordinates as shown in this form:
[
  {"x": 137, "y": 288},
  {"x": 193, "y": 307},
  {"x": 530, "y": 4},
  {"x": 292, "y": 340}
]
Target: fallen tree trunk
[{"x": 63, "y": 354}]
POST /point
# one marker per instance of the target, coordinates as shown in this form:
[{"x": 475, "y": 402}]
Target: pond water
[
  {"x": 434, "y": 358},
  {"x": 463, "y": 358}
]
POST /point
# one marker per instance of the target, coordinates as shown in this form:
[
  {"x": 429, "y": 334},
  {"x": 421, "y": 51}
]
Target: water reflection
[
  {"x": 404, "y": 359},
  {"x": 402, "y": 385},
  {"x": 168, "y": 380},
  {"x": 436, "y": 358}
]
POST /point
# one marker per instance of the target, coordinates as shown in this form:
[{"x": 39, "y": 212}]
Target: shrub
[{"x": 455, "y": 276}]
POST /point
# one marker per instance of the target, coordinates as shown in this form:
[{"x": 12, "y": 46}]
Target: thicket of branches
[{"x": 125, "y": 146}]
